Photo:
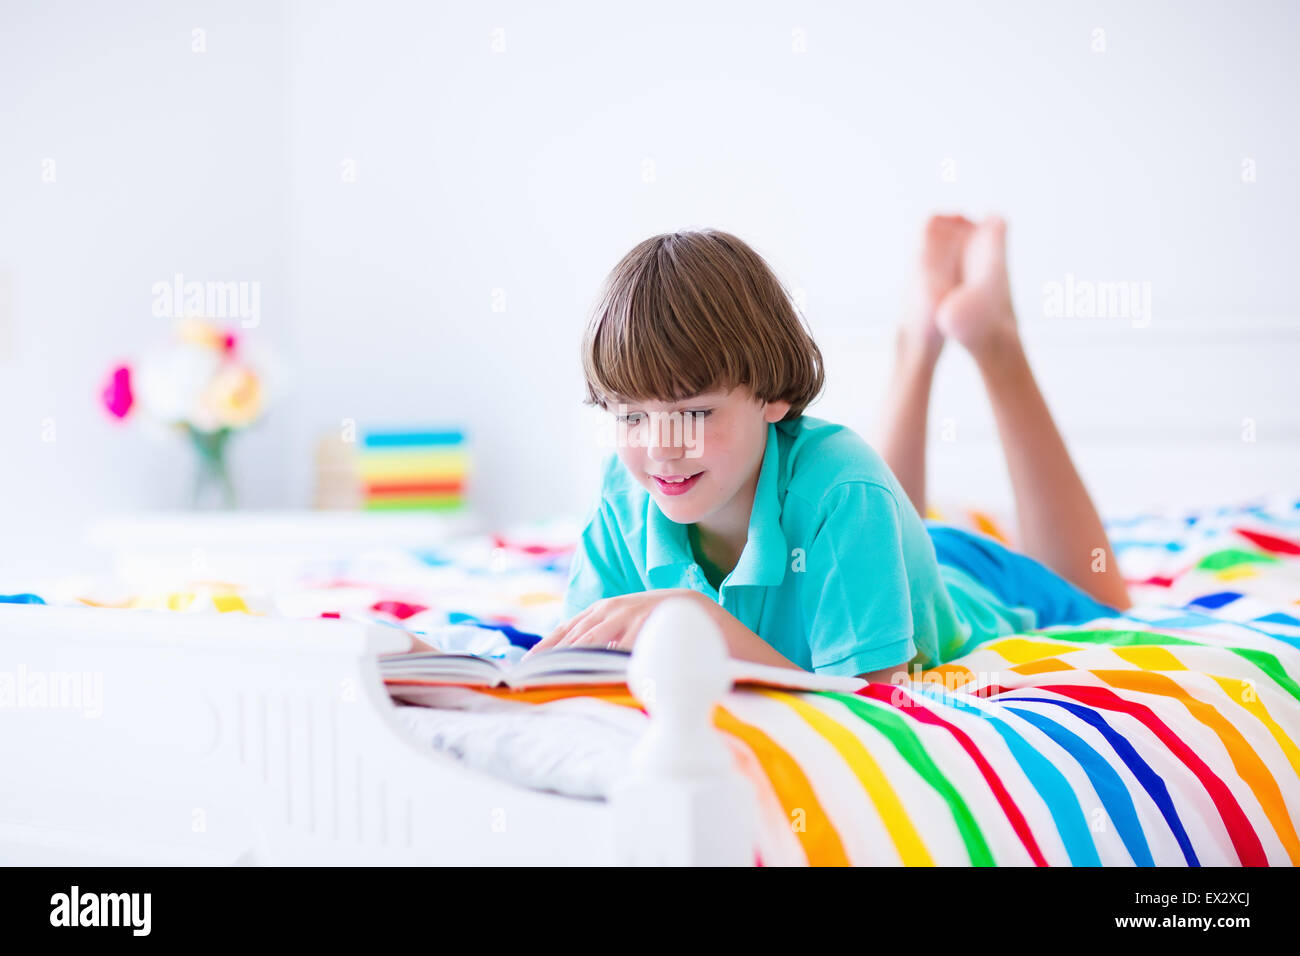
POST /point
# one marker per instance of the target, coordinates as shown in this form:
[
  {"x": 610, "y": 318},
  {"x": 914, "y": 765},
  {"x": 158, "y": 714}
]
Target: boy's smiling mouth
[{"x": 676, "y": 484}]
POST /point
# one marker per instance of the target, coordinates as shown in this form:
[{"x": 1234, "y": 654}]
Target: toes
[
  {"x": 987, "y": 238},
  {"x": 936, "y": 223},
  {"x": 935, "y": 226}
]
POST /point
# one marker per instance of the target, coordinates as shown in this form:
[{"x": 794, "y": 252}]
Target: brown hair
[{"x": 690, "y": 312}]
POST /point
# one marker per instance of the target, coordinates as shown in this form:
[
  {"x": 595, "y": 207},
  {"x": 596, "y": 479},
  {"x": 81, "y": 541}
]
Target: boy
[{"x": 804, "y": 545}]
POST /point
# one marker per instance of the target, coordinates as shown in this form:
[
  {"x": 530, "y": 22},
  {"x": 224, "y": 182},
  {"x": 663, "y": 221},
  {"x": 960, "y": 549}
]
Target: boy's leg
[
  {"x": 907, "y": 408},
  {"x": 1056, "y": 519},
  {"x": 919, "y": 342},
  {"x": 1015, "y": 578}
]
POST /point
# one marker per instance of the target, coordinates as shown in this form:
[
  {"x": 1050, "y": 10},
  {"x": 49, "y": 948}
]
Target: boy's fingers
[
  {"x": 575, "y": 626},
  {"x": 558, "y": 633},
  {"x": 554, "y": 636},
  {"x": 569, "y": 639},
  {"x": 581, "y": 635},
  {"x": 601, "y": 635},
  {"x": 545, "y": 644}
]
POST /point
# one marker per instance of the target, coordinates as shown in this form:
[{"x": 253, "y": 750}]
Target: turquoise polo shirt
[{"x": 838, "y": 572}]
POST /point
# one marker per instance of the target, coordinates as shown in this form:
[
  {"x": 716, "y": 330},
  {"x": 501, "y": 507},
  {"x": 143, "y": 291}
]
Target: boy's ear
[{"x": 775, "y": 411}]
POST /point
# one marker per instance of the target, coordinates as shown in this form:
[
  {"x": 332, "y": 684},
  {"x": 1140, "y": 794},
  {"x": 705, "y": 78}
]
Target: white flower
[{"x": 171, "y": 382}]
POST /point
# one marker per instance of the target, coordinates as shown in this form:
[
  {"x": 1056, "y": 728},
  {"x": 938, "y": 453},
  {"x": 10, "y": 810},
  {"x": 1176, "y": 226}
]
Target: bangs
[
  {"x": 687, "y": 313},
  {"x": 643, "y": 350}
]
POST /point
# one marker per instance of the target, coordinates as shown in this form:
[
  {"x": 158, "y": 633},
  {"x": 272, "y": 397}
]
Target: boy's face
[{"x": 715, "y": 441}]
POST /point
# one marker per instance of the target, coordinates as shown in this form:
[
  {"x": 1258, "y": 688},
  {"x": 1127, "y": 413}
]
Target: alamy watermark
[
  {"x": 75, "y": 908},
  {"x": 211, "y": 300},
  {"x": 634, "y": 429},
  {"x": 955, "y": 680},
  {"x": 1091, "y": 299},
  {"x": 54, "y": 690}
]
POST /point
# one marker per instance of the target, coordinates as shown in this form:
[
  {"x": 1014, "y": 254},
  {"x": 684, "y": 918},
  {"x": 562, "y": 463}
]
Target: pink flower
[{"x": 117, "y": 393}]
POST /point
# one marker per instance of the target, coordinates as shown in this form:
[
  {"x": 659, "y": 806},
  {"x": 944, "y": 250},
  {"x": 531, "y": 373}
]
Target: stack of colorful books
[{"x": 413, "y": 470}]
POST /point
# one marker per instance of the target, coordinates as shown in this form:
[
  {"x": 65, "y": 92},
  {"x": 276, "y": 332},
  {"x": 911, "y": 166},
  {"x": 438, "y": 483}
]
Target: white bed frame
[{"x": 173, "y": 738}]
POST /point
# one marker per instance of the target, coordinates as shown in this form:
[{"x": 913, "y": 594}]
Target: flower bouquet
[{"x": 202, "y": 383}]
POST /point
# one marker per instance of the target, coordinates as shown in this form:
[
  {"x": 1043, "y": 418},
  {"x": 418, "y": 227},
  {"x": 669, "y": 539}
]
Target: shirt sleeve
[
  {"x": 856, "y": 599},
  {"x": 597, "y": 568}
]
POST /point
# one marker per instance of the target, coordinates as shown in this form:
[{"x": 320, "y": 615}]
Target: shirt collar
[{"x": 762, "y": 562}]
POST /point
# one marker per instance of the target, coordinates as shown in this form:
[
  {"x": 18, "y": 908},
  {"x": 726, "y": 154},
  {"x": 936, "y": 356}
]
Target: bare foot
[
  {"x": 938, "y": 273},
  {"x": 978, "y": 313}
]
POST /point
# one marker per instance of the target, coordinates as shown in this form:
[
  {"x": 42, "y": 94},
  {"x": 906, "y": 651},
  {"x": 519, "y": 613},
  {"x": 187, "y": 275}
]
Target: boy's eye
[{"x": 634, "y": 418}]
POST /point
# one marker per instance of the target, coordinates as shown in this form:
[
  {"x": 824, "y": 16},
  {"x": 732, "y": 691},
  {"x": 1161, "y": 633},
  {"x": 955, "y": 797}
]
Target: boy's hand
[{"x": 611, "y": 623}]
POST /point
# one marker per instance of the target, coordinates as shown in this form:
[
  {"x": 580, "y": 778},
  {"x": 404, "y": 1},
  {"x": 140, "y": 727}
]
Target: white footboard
[
  {"x": 160, "y": 737},
  {"x": 683, "y": 802}
]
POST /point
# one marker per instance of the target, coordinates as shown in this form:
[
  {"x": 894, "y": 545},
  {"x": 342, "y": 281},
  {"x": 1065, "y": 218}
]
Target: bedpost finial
[
  {"x": 679, "y": 662},
  {"x": 682, "y": 801}
]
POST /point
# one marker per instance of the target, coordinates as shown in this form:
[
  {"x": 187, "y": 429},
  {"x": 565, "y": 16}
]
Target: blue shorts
[{"x": 1015, "y": 578}]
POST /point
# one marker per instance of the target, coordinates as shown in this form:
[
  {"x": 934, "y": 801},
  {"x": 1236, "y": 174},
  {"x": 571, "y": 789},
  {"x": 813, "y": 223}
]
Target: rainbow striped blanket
[{"x": 1165, "y": 737}]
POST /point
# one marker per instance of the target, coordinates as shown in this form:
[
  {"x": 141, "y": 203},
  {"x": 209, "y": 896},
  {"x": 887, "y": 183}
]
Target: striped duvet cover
[{"x": 1167, "y": 736}]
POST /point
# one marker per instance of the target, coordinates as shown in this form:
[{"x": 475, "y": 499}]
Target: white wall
[
  {"x": 165, "y": 161},
  {"x": 526, "y": 171}
]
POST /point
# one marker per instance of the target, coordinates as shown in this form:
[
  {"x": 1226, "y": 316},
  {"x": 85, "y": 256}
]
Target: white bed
[
  {"x": 249, "y": 739},
  {"x": 233, "y": 739}
]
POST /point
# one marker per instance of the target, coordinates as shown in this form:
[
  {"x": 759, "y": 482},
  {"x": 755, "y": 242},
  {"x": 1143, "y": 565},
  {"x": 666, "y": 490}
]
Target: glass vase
[{"x": 213, "y": 489}]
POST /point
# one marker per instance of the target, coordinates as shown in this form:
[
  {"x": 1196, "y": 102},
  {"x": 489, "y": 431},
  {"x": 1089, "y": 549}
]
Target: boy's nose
[
  {"x": 662, "y": 452},
  {"x": 664, "y": 441}
]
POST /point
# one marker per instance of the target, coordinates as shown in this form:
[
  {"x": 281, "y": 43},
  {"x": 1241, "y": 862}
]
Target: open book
[{"x": 572, "y": 665}]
